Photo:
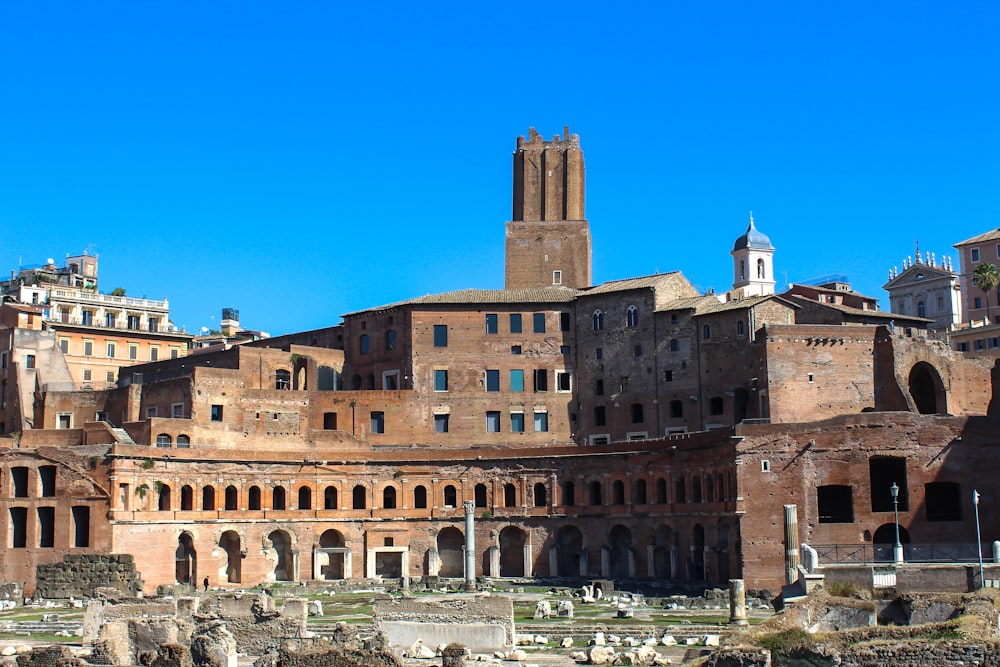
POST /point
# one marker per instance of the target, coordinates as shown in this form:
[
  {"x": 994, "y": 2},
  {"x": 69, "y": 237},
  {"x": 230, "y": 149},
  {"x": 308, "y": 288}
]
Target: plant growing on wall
[
  {"x": 147, "y": 464},
  {"x": 94, "y": 460},
  {"x": 142, "y": 490}
]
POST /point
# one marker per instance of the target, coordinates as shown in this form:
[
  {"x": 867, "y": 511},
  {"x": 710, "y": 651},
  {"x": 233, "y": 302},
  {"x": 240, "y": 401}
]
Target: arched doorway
[
  {"x": 662, "y": 567},
  {"x": 927, "y": 389},
  {"x": 279, "y": 556},
  {"x": 884, "y": 541},
  {"x": 186, "y": 560},
  {"x": 569, "y": 549},
  {"x": 620, "y": 545},
  {"x": 333, "y": 549},
  {"x": 450, "y": 545},
  {"x": 230, "y": 543},
  {"x": 512, "y": 541}
]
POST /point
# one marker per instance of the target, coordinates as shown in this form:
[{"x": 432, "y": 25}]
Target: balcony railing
[
  {"x": 843, "y": 554},
  {"x": 107, "y": 299}
]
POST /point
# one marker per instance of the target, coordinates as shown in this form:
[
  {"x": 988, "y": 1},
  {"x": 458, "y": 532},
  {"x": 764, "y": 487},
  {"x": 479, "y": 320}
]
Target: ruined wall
[
  {"x": 482, "y": 624},
  {"x": 79, "y": 575}
]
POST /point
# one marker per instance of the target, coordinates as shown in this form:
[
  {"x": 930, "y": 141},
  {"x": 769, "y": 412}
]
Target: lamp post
[
  {"x": 897, "y": 550},
  {"x": 979, "y": 543}
]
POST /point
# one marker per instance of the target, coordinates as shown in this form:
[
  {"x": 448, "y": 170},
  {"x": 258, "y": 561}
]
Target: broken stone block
[
  {"x": 711, "y": 640},
  {"x": 668, "y": 640},
  {"x": 567, "y": 642},
  {"x": 600, "y": 655},
  {"x": 214, "y": 646},
  {"x": 598, "y": 639}
]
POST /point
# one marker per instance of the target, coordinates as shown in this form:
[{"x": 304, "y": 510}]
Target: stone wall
[
  {"x": 254, "y": 622},
  {"x": 79, "y": 575},
  {"x": 481, "y": 624}
]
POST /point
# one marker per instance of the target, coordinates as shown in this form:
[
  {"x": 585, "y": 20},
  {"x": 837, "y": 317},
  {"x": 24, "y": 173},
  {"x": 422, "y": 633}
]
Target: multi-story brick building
[{"x": 634, "y": 429}]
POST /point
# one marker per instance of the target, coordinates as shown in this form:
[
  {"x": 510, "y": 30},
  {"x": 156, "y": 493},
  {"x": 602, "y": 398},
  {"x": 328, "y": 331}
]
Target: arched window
[
  {"x": 305, "y": 498},
  {"x": 743, "y": 269},
  {"x": 208, "y": 498},
  {"x": 164, "y": 505},
  {"x": 696, "y": 490},
  {"x": 232, "y": 498},
  {"x": 540, "y": 495},
  {"x": 450, "y": 496},
  {"x": 760, "y": 268},
  {"x": 253, "y": 498},
  {"x": 674, "y": 345},
  {"x": 709, "y": 488},
  {"x": 389, "y": 498},
  {"x": 183, "y": 441},
  {"x": 568, "y": 494},
  {"x": 509, "y": 495},
  {"x": 278, "y": 498},
  {"x": 480, "y": 495},
  {"x": 355, "y": 382},
  {"x": 330, "y": 498},
  {"x": 632, "y": 316},
  {"x": 420, "y": 497},
  {"x": 598, "y": 320},
  {"x": 679, "y": 493},
  {"x": 596, "y": 494},
  {"x": 639, "y": 498},
  {"x": 721, "y": 487},
  {"x": 359, "y": 497},
  {"x": 282, "y": 379},
  {"x": 706, "y": 332},
  {"x": 163, "y": 440},
  {"x": 618, "y": 492},
  {"x": 187, "y": 498},
  {"x": 661, "y": 491}
]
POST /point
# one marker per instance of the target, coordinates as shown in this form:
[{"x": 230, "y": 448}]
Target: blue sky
[{"x": 302, "y": 160}]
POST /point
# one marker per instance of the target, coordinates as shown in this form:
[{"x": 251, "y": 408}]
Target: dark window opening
[
  {"x": 491, "y": 323},
  {"x": 46, "y": 527},
  {"x": 81, "y": 525},
  {"x": 358, "y": 497},
  {"x": 835, "y": 504},
  {"x": 564, "y": 322},
  {"x": 420, "y": 497},
  {"x": 440, "y": 423},
  {"x": 389, "y": 498},
  {"x": 540, "y": 495},
  {"x": 943, "y": 501},
  {"x": 217, "y": 413},
  {"x": 377, "y": 424},
  {"x": 232, "y": 498},
  {"x": 208, "y": 498},
  {"x": 884, "y": 472},
  {"x": 676, "y": 409},
  {"x": 716, "y": 406},
  {"x": 636, "y": 413},
  {"x": 515, "y": 322},
  {"x": 509, "y": 495},
  {"x": 187, "y": 498},
  {"x": 330, "y": 498},
  {"x": 596, "y": 493},
  {"x": 253, "y": 499},
  {"x": 330, "y": 421},
  {"x": 480, "y": 495},
  {"x": 305, "y": 498},
  {"x": 282, "y": 379},
  {"x": 618, "y": 492},
  {"x": 450, "y": 496},
  {"x": 569, "y": 494},
  {"x": 661, "y": 491},
  {"x": 440, "y": 335},
  {"x": 47, "y": 479},
  {"x": 541, "y": 379},
  {"x": 680, "y": 496},
  {"x": 19, "y": 477},
  {"x": 600, "y": 417},
  {"x": 19, "y": 527},
  {"x": 538, "y": 322},
  {"x": 278, "y": 498},
  {"x": 639, "y": 494},
  {"x": 493, "y": 380}
]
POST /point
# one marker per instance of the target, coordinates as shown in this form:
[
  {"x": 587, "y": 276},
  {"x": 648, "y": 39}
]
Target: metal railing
[{"x": 882, "y": 553}]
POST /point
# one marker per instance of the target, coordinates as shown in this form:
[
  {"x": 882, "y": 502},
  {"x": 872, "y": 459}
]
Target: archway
[
  {"x": 186, "y": 560},
  {"x": 620, "y": 545},
  {"x": 927, "y": 389},
  {"x": 450, "y": 544},
  {"x": 884, "y": 541},
  {"x": 662, "y": 567},
  {"x": 230, "y": 543},
  {"x": 569, "y": 549},
  {"x": 331, "y": 564},
  {"x": 279, "y": 556},
  {"x": 512, "y": 541}
]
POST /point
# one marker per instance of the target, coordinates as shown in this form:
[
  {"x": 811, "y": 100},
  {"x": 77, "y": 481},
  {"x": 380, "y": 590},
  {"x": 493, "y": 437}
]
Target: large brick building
[{"x": 634, "y": 429}]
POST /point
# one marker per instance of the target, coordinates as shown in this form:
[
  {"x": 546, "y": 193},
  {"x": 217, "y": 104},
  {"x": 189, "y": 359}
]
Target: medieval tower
[{"x": 548, "y": 237}]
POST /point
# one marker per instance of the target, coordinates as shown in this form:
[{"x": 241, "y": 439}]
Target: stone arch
[
  {"x": 884, "y": 540},
  {"x": 232, "y": 498},
  {"x": 332, "y": 567},
  {"x": 620, "y": 547},
  {"x": 305, "y": 498},
  {"x": 278, "y": 498},
  {"x": 451, "y": 551},
  {"x": 164, "y": 497},
  {"x": 208, "y": 498},
  {"x": 229, "y": 542},
  {"x": 927, "y": 389},
  {"x": 253, "y": 498},
  {"x": 186, "y": 560},
  {"x": 278, "y": 551},
  {"x": 569, "y": 551},
  {"x": 330, "y": 498},
  {"x": 187, "y": 498},
  {"x": 300, "y": 374},
  {"x": 662, "y": 563},
  {"x": 512, "y": 541}
]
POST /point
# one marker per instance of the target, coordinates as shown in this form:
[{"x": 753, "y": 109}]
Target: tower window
[
  {"x": 632, "y": 316},
  {"x": 598, "y": 319},
  {"x": 557, "y": 277}
]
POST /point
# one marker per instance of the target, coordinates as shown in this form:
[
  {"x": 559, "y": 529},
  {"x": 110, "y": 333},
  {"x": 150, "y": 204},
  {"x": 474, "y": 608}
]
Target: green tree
[
  {"x": 118, "y": 291},
  {"x": 986, "y": 277}
]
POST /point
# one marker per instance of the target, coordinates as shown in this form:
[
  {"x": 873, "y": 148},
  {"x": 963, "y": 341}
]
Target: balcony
[{"x": 106, "y": 300}]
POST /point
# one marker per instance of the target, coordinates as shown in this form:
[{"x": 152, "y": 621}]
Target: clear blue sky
[{"x": 300, "y": 160}]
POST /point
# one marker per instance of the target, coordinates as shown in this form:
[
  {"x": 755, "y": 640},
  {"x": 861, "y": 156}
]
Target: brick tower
[{"x": 548, "y": 237}]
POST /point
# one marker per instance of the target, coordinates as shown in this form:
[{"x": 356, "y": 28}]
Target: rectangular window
[
  {"x": 133, "y": 322},
  {"x": 29, "y": 361},
  {"x": 977, "y": 302},
  {"x": 564, "y": 322},
  {"x": 440, "y": 380},
  {"x": 884, "y": 472},
  {"x": 217, "y": 413},
  {"x": 133, "y": 352},
  {"x": 81, "y": 525},
  {"x": 3, "y": 360},
  {"x": 599, "y": 387},
  {"x": 377, "y": 422},
  {"x": 177, "y": 410},
  {"x": 515, "y": 322},
  {"x": 517, "y": 422},
  {"x": 18, "y": 527},
  {"x": 440, "y": 423},
  {"x": 47, "y": 480},
  {"x": 515, "y": 349},
  {"x": 174, "y": 353},
  {"x": 154, "y": 353},
  {"x": 517, "y": 380},
  {"x": 492, "y": 380},
  {"x": 538, "y": 321},
  {"x": 668, "y": 376},
  {"x": 975, "y": 254},
  {"x": 599, "y": 353},
  {"x": 46, "y": 527},
  {"x": 88, "y": 317},
  {"x": 563, "y": 381},
  {"x": 440, "y": 335},
  {"x": 564, "y": 350},
  {"x": 491, "y": 323},
  {"x": 87, "y": 374},
  {"x": 64, "y": 345},
  {"x": 492, "y": 422},
  {"x": 541, "y": 379},
  {"x": 363, "y": 344},
  {"x": 557, "y": 277},
  {"x": 109, "y": 376},
  {"x": 154, "y": 324},
  {"x": 111, "y": 350},
  {"x": 637, "y": 351},
  {"x": 600, "y": 418},
  {"x": 329, "y": 421},
  {"x": 151, "y": 412},
  {"x": 541, "y": 422},
  {"x": 64, "y": 420}
]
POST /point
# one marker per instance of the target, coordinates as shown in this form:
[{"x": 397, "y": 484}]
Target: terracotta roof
[
  {"x": 695, "y": 303},
  {"x": 993, "y": 235},
  {"x": 474, "y": 296},
  {"x": 874, "y": 314},
  {"x": 642, "y": 282},
  {"x": 740, "y": 304}
]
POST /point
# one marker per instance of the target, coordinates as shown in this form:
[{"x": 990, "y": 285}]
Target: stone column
[
  {"x": 553, "y": 561},
  {"x": 605, "y": 561},
  {"x": 295, "y": 565},
  {"x": 996, "y": 551},
  {"x": 433, "y": 562},
  {"x": 584, "y": 563},
  {"x": 470, "y": 545},
  {"x": 674, "y": 574},
  {"x": 737, "y": 602},
  {"x": 791, "y": 543},
  {"x": 494, "y": 553},
  {"x": 650, "y": 561},
  {"x": 529, "y": 567},
  {"x": 631, "y": 563}
]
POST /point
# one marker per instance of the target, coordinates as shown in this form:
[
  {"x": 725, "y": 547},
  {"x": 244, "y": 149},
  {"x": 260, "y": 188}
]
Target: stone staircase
[
  {"x": 41, "y": 627},
  {"x": 122, "y": 436}
]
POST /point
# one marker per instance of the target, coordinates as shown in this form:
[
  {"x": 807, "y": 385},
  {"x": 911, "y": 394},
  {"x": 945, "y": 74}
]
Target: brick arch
[{"x": 927, "y": 389}]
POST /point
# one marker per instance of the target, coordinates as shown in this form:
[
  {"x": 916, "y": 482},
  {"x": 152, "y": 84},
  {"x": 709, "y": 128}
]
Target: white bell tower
[{"x": 753, "y": 264}]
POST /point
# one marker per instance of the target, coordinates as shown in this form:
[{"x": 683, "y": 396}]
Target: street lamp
[
  {"x": 979, "y": 542},
  {"x": 897, "y": 550}
]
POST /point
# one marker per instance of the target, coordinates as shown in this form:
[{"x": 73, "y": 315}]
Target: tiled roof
[
  {"x": 488, "y": 296},
  {"x": 740, "y": 304},
  {"x": 629, "y": 284},
  {"x": 993, "y": 235},
  {"x": 696, "y": 303},
  {"x": 874, "y": 314}
]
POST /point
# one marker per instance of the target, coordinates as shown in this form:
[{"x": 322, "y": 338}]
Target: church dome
[{"x": 753, "y": 239}]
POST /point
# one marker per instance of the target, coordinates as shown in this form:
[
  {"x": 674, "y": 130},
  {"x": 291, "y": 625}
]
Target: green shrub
[
  {"x": 787, "y": 640},
  {"x": 841, "y": 589}
]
